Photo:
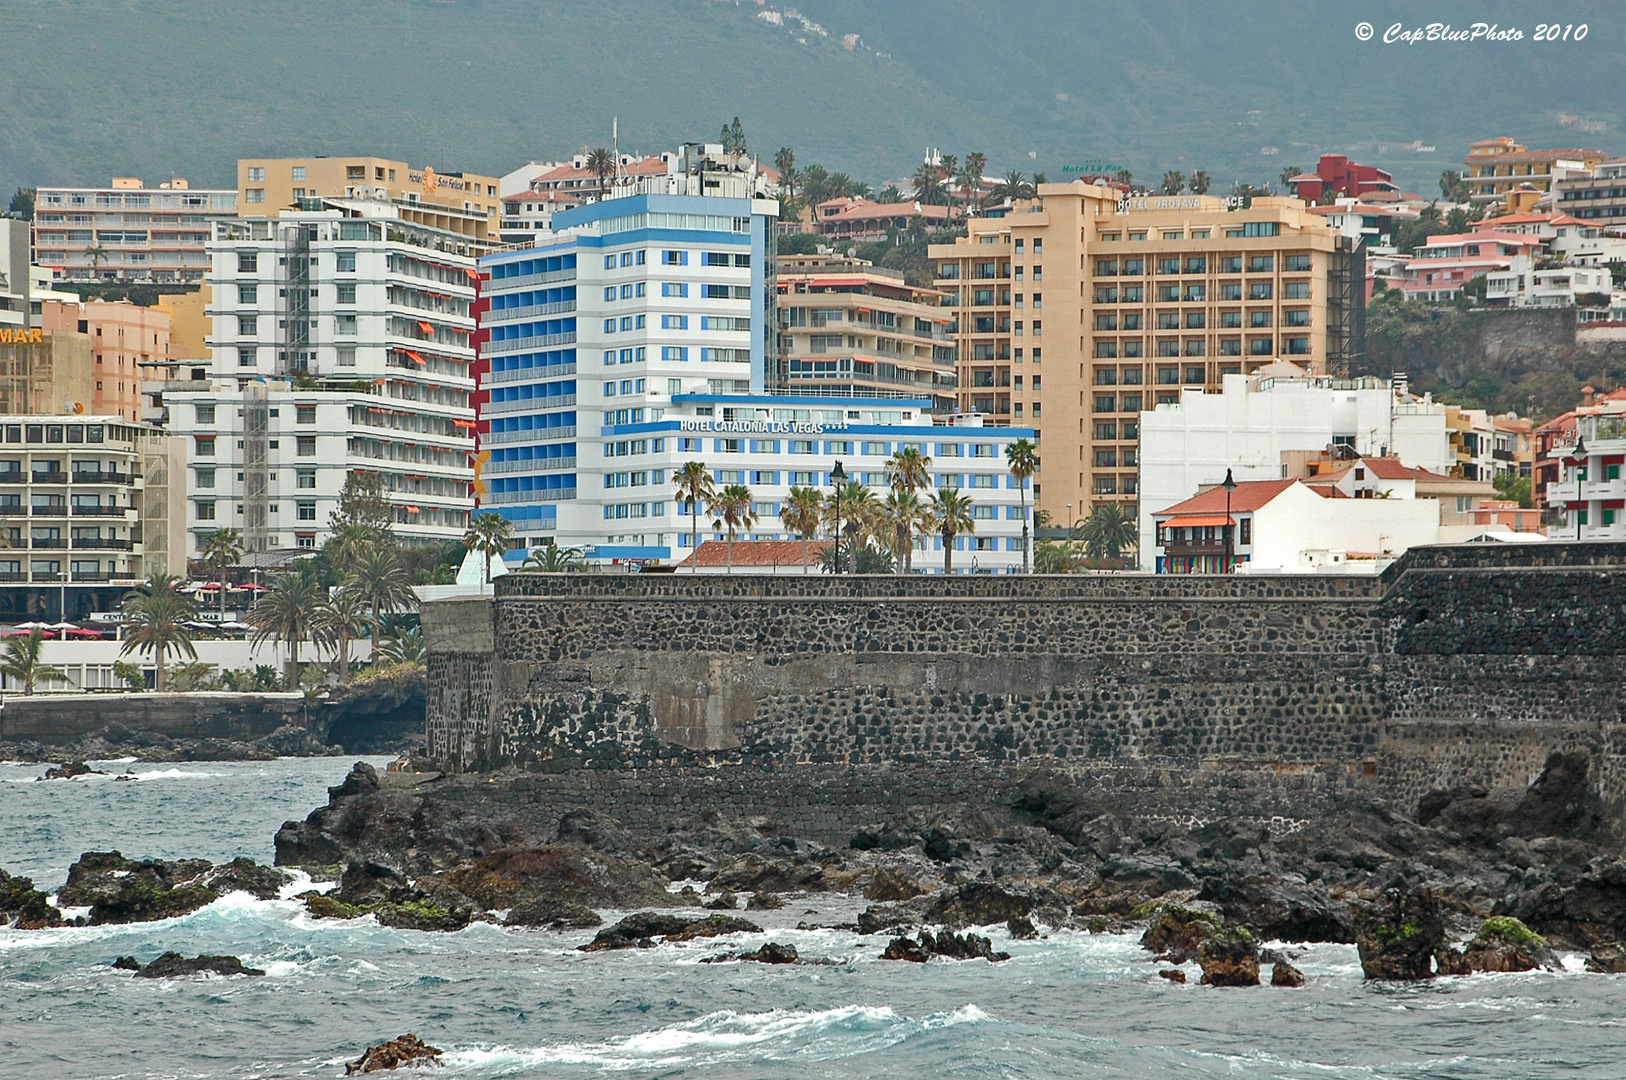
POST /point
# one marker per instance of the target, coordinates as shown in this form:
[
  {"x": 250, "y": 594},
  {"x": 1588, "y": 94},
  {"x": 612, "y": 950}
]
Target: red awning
[
  {"x": 1197, "y": 522},
  {"x": 475, "y": 274},
  {"x": 416, "y": 357},
  {"x": 425, "y": 327}
]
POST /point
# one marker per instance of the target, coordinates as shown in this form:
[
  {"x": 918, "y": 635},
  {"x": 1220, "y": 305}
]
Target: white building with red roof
[
  {"x": 1287, "y": 526},
  {"x": 1447, "y": 262}
]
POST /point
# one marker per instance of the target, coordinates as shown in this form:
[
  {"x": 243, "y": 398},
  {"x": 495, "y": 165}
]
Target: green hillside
[{"x": 159, "y": 87}]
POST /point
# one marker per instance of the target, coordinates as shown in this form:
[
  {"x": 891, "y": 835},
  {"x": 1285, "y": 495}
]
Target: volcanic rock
[
  {"x": 764, "y": 901},
  {"x": 949, "y": 945},
  {"x": 1398, "y": 938},
  {"x": 120, "y": 890},
  {"x": 905, "y": 949},
  {"x": 68, "y": 770},
  {"x": 723, "y": 901},
  {"x": 554, "y": 915},
  {"x": 1286, "y": 907},
  {"x": 1176, "y": 932},
  {"x": 888, "y": 885},
  {"x": 1021, "y": 928},
  {"x": 1174, "y": 975},
  {"x": 979, "y": 903},
  {"x": 772, "y": 953},
  {"x": 172, "y": 965},
  {"x": 1229, "y": 957},
  {"x": 1284, "y": 974},
  {"x": 561, "y": 872},
  {"x": 408, "y": 1050},
  {"x": 640, "y": 931},
  {"x": 24, "y": 905},
  {"x": 1608, "y": 958},
  {"x": 1505, "y": 944}
]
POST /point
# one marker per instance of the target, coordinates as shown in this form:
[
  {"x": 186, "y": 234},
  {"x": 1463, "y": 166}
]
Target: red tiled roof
[
  {"x": 748, "y": 553},
  {"x": 1443, "y": 239},
  {"x": 1249, "y": 495},
  {"x": 860, "y": 211},
  {"x": 1522, "y": 156}
]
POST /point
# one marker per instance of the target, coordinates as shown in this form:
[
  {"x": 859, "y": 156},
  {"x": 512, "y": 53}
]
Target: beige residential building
[
  {"x": 189, "y": 324},
  {"x": 451, "y": 202},
  {"x": 1147, "y": 296},
  {"x": 850, "y": 328},
  {"x": 46, "y": 372},
  {"x": 128, "y": 232}
]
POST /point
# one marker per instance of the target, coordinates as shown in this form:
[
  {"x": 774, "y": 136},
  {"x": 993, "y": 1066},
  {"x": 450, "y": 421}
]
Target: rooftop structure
[
  {"x": 1496, "y": 166},
  {"x": 1335, "y": 174}
]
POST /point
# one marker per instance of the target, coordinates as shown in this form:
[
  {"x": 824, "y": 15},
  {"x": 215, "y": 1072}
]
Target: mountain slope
[{"x": 155, "y": 87}]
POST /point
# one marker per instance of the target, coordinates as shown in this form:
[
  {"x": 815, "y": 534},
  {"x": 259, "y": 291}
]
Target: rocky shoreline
[
  {"x": 1471, "y": 881},
  {"x": 115, "y": 742}
]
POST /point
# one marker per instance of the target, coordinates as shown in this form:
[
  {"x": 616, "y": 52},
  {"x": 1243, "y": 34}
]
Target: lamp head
[
  {"x": 1229, "y": 485},
  {"x": 838, "y": 475}
]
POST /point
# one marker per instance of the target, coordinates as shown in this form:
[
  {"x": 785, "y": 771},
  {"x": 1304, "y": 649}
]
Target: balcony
[
  {"x": 48, "y": 511},
  {"x": 535, "y": 435},
  {"x": 107, "y": 544},
  {"x": 88, "y": 477},
  {"x": 12, "y": 577},
  {"x": 541, "y": 341},
  {"x": 529, "y": 374},
  {"x": 535, "y": 465},
  {"x": 46, "y": 542},
  {"x": 40, "y": 477},
  {"x": 97, "y": 511},
  {"x": 13, "y": 476},
  {"x": 507, "y": 315},
  {"x": 535, "y": 404}
]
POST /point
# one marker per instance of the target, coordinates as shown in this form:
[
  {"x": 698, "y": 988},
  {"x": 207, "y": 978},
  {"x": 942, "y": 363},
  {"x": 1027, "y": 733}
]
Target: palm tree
[
  {"x": 488, "y": 535},
  {"x": 908, "y": 469},
  {"x": 951, "y": 512},
  {"x": 98, "y": 255},
  {"x": 383, "y": 585},
  {"x": 1012, "y": 186},
  {"x": 928, "y": 183},
  {"x": 554, "y": 559},
  {"x": 22, "y": 661},
  {"x": 287, "y": 614},
  {"x": 784, "y": 159},
  {"x": 1022, "y": 458},
  {"x": 1174, "y": 182},
  {"x": 1288, "y": 174},
  {"x": 348, "y": 543},
  {"x": 890, "y": 194},
  {"x": 1056, "y": 557},
  {"x": 858, "y": 513},
  {"x": 800, "y": 514},
  {"x": 601, "y": 163},
  {"x": 1199, "y": 182},
  {"x": 1108, "y": 532},
  {"x": 694, "y": 486},
  {"x": 222, "y": 549},
  {"x": 155, "y": 617},
  {"x": 841, "y": 186},
  {"x": 815, "y": 184},
  {"x": 404, "y": 648},
  {"x": 732, "y": 508},
  {"x": 905, "y": 511},
  {"x": 339, "y": 621}
]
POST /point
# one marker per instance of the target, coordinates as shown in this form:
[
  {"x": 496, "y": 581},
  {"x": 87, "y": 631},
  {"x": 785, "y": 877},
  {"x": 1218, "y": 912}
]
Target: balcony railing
[
  {"x": 535, "y": 435},
  {"x": 507, "y": 315},
  {"x": 541, "y": 341},
  {"x": 531, "y": 374},
  {"x": 535, "y": 465},
  {"x": 101, "y": 511},
  {"x": 49, "y": 511},
  {"x": 93, "y": 544},
  {"x": 49, "y": 477},
  {"x": 535, "y": 404},
  {"x": 87, "y": 477},
  {"x": 46, "y": 542}
]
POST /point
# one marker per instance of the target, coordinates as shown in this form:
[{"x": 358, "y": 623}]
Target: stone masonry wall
[{"x": 1249, "y": 696}]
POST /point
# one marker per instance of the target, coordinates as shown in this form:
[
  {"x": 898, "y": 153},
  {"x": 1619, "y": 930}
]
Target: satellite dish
[{"x": 73, "y": 407}]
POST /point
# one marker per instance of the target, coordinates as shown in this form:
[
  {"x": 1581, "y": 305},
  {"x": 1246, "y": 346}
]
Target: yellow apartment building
[
  {"x": 849, "y": 328},
  {"x": 454, "y": 202},
  {"x": 1497, "y": 166},
  {"x": 1146, "y": 296}
]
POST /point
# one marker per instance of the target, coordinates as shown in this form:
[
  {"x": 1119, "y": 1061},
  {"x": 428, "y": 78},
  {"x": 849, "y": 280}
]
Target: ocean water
[{"x": 509, "y": 1003}]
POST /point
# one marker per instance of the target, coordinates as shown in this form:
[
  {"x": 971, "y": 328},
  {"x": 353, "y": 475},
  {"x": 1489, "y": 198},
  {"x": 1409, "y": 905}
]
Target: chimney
[{"x": 1588, "y": 392}]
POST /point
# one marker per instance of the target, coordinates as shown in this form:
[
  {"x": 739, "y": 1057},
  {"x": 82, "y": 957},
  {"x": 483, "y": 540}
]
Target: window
[
  {"x": 1296, "y": 290},
  {"x": 1261, "y": 264},
  {"x": 1196, "y": 320},
  {"x": 305, "y": 479},
  {"x": 1106, "y": 431},
  {"x": 1169, "y": 347},
  {"x": 256, "y": 174},
  {"x": 1134, "y": 267},
  {"x": 1231, "y": 291},
  {"x": 299, "y": 173},
  {"x": 1168, "y": 320},
  {"x": 1194, "y": 293},
  {"x": 248, "y": 294},
  {"x": 1196, "y": 264},
  {"x": 1261, "y": 228},
  {"x": 345, "y": 262},
  {"x": 1132, "y": 320},
  {"x": 1230, "y": 347},
  {"x": 1230, "y": 264},
  {"x": 1259, "y": 290},
  {"x": 347, "y": 356},
  {"x": 716, "y": 258},
  {"x": 1106, "y": 294},
  {"x": 1105, "y": 403},
  {"x": 1168, "y": 266},
  {"x": 247, "y": 262},
  {"x": 1105, "y": 376},
  {"x": 1195, "y": 374},
  {"x": 254, "y": 195},
  {"x": 304, "y": 414},
  {"x": 1259, "y": 318},
  {"x": 345, "y": 325},
  {"x": 1106, "y": 322},
  {"x": 205, "y": 414},
  {"x": 1106, "y": 350},
  {"x": 305, "y": 511},
  {"x": 1196, "y": 347},
  {"x": 347, "y": 294},
  {"x": 205, "y": 478},
  {"x": 674, "y": 288},
  {"x": 1168, "y": 376},
  {"x": 206, "y": 510},
  {"x": 203, "y": 445},
  {"x": 671, "y": 258},
  {"x": 1106, "y": 267},
  {"x": 1296, "y": 318},
  {"x": 1259, "y": 346},
  {"x": 1245, "y": 530},
  {"x": 674, "y": 322},
  {"x": 307, "y": 446},
  {"x": 1296, "y": 263}
]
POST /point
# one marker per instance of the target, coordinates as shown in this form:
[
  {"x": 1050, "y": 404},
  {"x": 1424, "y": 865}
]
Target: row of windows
[
  {"x": 1198, "y": 320},
  {"x": 869, "y": 448},
  {"x": 1257, "y": 346},
  {"x": 1198, "y": 264},
  {"x": 303, "y": 511},
  {"x": 1196, "y": 293},
  {"x": 204, "y": 445},
  {"x": 553, "y": 264},
  {"x": 677, "y": 258},
  {"x": 303, "y": 478}
]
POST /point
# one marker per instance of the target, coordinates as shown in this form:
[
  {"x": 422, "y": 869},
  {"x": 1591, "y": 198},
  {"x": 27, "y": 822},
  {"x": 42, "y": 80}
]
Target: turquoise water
[{"x": 524, "y": 1003}]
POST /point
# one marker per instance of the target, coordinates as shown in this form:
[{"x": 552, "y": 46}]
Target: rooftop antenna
[{"x": 615, "y": 143}]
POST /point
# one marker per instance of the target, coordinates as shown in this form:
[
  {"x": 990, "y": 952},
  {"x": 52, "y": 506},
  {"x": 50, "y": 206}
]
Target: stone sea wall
[{"x": 835, "y": 701}]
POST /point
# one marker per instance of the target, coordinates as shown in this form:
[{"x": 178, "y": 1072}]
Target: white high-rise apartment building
[{"x": 341, "y": 343}]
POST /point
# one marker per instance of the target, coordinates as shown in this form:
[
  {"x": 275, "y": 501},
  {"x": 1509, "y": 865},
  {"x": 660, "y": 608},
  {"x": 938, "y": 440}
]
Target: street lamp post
[
  {"x": 1229, "y": 485},
  {"x": 1578, "y": 459},
  {"x": 838, "y": 477},
  {"x": 1069, "y": 521}
]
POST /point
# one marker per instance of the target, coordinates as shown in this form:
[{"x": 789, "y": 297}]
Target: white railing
[
  {"x": 535, "y": 465},
  {"x": 535, "y": 435},
  {"x": 514, "y": 345},
  {"x": 532, "y": 374},
  {"x": 508, "y": 315},
  {"x": 530, "y": 404}
]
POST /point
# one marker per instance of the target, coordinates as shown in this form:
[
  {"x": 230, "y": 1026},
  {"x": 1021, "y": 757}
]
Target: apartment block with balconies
[
  {"x": 850, "y": 329},
  {"x": 1591, "y": 487},
  {"x": 128, "y": 232},
  {"x": 76, "y": 511},
  {"x": 1080, "y": 309}
]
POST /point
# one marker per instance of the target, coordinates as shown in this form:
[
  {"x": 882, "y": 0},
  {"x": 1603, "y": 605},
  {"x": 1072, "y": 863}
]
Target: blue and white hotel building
[{"x": 638, "y": 335}]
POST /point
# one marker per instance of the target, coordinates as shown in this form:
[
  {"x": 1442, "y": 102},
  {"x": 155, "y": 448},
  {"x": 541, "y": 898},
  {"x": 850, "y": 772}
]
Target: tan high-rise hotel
[{"x": 1146, "y": 296}]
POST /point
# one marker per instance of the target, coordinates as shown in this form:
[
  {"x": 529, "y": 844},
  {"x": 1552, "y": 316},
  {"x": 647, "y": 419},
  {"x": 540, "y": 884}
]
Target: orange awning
[
  {"x": 1197, "y": 522},
  {"x": 425, "y": 327},
  {"x": 416, "y": 357},
  {"x": 475, "y": 274}
]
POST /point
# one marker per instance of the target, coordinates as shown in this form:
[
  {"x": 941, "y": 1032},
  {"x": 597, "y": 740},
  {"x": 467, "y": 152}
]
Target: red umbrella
[
  {"x": 81, "y": 632},
  {"x": 255, "y": 588}
]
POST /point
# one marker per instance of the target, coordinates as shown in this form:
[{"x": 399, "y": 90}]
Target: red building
[{"x": 1343, "y": 177}]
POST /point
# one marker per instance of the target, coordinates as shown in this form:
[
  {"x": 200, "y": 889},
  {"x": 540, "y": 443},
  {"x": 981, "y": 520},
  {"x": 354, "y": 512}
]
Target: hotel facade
[{"x": 1147, "y": 297}]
